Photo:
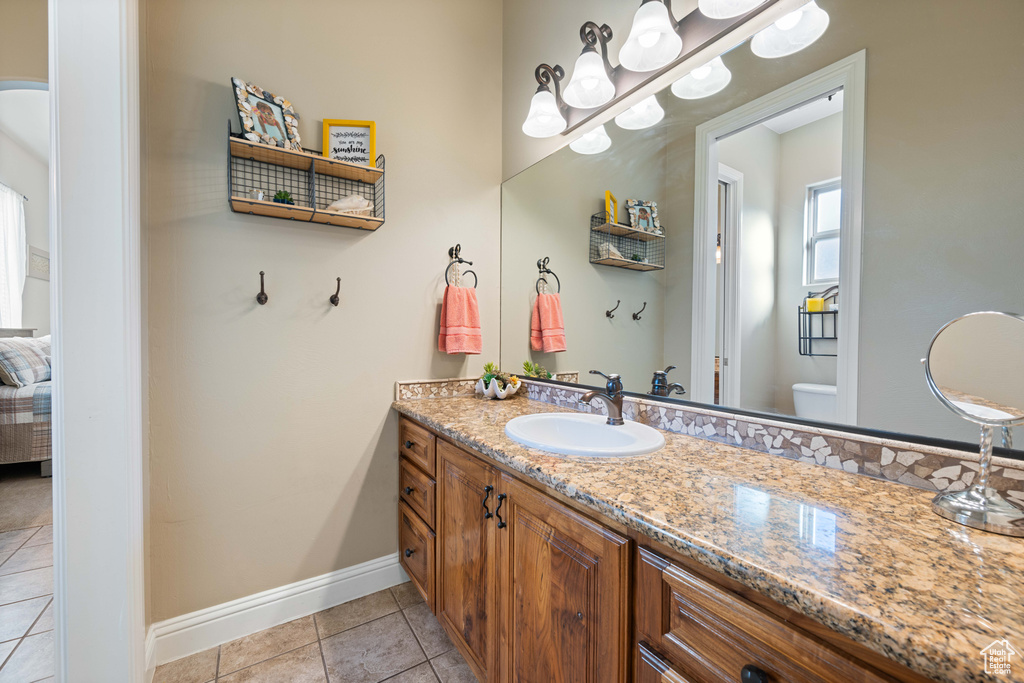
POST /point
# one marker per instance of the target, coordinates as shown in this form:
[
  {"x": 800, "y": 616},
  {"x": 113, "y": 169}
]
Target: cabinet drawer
[
  {"x": 417, "y": 444},
  {"x": 712, "y": 634},
  {"x": 416, "y": 551},
  {"x": 650, "y": 668},
  {"x": 417, "y": 490}
]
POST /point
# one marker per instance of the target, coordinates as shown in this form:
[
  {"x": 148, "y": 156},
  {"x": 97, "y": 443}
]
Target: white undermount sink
[{"x": 583, "y": 434}]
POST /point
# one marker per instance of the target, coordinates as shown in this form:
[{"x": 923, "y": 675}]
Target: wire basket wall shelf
[
  {"x": 620, "y": 246},
  {"x": 312, "y": 180}
]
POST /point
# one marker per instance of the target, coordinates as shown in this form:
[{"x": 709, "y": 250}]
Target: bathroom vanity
[{"x": 700, "y": 562}]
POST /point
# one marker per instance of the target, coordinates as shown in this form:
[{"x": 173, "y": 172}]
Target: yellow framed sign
[
  {"x": 354, "y": 142},
  {"x": 611, "y": 207}
]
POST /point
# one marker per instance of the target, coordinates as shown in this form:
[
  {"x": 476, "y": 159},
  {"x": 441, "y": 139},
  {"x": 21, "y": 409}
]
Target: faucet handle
[
  {"x": 614, "y": 384},
  {"x": 669, "y": 369}
]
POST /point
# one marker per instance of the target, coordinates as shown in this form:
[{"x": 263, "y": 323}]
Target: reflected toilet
[{"x": 815, "y": 401}]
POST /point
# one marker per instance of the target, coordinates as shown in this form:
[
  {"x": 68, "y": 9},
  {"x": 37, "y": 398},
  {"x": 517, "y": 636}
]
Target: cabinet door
[
  {"x": 466, "y": 564},
  {"x": 564, "y": 582}
]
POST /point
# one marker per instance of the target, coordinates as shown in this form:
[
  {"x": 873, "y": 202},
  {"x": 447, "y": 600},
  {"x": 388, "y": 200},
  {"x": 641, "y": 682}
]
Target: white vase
[{"x": 492, "y": 390}]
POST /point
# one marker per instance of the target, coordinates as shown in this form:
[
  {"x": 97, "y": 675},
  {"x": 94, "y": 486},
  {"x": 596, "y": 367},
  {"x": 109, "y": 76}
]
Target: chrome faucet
[
  {"x": 612, "y": 400},
  {"x": 660, "y": 385}
]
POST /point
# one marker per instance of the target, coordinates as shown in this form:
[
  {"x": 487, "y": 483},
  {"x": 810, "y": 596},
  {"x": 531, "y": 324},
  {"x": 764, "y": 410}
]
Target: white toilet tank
[{"x": 815, "y": 401}]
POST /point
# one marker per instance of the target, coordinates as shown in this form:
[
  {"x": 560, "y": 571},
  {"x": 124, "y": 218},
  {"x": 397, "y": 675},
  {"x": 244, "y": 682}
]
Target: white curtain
[{"x": 13, "y": 256}]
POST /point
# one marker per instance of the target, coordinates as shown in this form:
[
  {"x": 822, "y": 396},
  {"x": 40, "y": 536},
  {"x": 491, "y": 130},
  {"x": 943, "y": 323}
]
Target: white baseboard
[{"x": 181, "y": 636}]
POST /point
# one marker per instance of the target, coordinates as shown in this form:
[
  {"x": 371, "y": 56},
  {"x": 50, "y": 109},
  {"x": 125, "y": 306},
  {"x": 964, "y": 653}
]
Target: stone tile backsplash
[{"x": 924, "y": 467}]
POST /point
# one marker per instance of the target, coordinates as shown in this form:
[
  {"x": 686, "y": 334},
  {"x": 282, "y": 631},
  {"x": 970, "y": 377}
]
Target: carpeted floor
[{"x": 26, "y": 499}]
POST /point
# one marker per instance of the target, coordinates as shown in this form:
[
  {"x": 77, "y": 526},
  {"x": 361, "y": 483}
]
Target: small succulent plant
[
  {"x": 283, "y": 197},
  {"x": 492, "y": 373},
  {"x": 535, "y": 370}
]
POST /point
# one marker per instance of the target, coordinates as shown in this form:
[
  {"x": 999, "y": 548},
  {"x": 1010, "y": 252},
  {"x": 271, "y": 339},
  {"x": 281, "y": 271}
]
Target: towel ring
[
  {"x": 542, "y": 266},
  {"x": 455, "y": 263}
]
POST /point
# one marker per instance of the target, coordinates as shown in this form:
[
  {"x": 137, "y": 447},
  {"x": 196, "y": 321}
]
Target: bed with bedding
[{"x": 25, "y": 394}]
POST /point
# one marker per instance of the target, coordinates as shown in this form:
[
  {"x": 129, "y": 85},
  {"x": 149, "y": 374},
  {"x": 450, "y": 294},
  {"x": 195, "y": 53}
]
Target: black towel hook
[
  {"x": 335, "y": 300},
  {"x": 636, "y": 316},
  {"x": 262, "y": 297},
  {"x": 610, "y": 313},
  {"x": 542, "y": 268},
  {"x": 453, "y": 254}
]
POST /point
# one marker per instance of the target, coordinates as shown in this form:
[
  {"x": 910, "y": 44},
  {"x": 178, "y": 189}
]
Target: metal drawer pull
[
  {"x": 751, "y": 674},
  {"x": 497, "y": 511},
  {"x": 409, "y": 490},
  {"x": 487, "y": 494},
  {"x": 409, "y": 444},
  {"x": 410, "y": 551}
]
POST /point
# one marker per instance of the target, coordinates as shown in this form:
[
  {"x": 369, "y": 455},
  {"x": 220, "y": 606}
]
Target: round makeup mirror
[{"x": 975, "y": 367}]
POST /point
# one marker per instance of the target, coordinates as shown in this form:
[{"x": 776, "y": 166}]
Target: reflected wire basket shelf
[
  {"x": 816, "y": 326},
  {"x": 620, "y": 246}
]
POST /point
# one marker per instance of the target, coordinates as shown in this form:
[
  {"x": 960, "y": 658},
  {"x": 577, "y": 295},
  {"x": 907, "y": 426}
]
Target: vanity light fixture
[
  {"x": 704, "y": 81},
  {"x": 590, "y": 85},
  {"x": 726, "y": 9},
  {"x": 592, "y": 142},
  {"x": 643, "y": 114},
  {"x": 545, "y": 118},
  {"x": 653, "y": 41},
  {"x": 791, "y": 33}
]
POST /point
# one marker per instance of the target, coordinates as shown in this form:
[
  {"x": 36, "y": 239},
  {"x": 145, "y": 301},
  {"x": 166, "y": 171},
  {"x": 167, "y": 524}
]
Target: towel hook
[
  {"x": 609, "y": 313},
  {"x": 542, "y": 268},
  {"x": 453, "y": 254},
  {"x": 335, "y": 300},
  {"x": 262, "y": 297},
  {"x": 636, "y": 316}
]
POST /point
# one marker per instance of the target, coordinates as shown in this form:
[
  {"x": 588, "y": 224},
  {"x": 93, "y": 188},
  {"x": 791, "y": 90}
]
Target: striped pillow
[{"x": 24, "y": 360}]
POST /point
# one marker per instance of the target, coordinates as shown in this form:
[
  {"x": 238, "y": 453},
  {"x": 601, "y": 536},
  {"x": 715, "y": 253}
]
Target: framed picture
[
  {"x": 611, "y": 207},
  {"x": 265, "y": 117},
  {"x": 643, "y": 215},
  {"x": 38, "y": 263},
  {"x": 352, "y": 141}
]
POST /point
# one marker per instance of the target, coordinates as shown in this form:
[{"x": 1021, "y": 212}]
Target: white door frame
[
  {"x": 848, "y": 75},
  {"x": 729, "y": 389},
  {"x": 96, "y": 318}
]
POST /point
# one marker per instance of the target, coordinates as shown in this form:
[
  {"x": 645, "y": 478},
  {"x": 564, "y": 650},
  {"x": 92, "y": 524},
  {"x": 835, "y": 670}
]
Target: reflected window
[
  {"x": 818, "y": 528},
  {"x": 821, "y": 247}
]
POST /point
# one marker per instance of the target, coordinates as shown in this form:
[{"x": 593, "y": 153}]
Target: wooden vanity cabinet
[{"x": 564, "y": 589}]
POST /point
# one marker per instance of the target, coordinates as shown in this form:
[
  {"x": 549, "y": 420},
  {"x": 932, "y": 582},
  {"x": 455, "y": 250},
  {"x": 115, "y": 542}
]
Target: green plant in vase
[
  {"x": 535, "y": 370},
  {"x": 283, "y": 197}
]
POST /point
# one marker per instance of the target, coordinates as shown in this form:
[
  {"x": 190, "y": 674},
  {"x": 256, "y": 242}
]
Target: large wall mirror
[{"x": 820, "y": 218}]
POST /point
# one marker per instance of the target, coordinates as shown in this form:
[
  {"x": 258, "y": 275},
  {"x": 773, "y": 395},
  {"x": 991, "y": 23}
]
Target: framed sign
[
  {"x": 352, "y": 141},
  {"x": 265, "y": 117}
]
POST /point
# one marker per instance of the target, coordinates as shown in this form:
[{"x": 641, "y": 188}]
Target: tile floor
[
  {"x": 386, "y": 636},
  {"x": 26, "y": 577}
]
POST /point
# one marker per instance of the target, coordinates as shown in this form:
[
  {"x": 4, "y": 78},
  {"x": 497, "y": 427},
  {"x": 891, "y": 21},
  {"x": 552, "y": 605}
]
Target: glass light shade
[
  {"x": 641, "y": 115},
  {"x": 727, "y": 9},
  {"x": 791, "y": 33},
  {"x": 703, "y": 81},
  {"x": 652, "y": 42},
  {"x": 593, "y": 142},
  {"x": 544, "y": 119},
  {"x": 590, "y": 86}
]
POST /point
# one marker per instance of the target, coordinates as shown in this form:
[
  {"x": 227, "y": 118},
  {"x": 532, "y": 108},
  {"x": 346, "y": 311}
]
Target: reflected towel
[
  {"x": 460, "y": 322},
  {"x": 547, "y": 331}
]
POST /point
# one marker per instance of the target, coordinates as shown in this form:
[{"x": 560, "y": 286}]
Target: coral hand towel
[
  {"x": 460, "y": 322},
  {"x": 547, "y": 331}
]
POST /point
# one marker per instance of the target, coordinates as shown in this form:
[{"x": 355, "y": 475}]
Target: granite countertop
[{"x": 865, "y": 558}]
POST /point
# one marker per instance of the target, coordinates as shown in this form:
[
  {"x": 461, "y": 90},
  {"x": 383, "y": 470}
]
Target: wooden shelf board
[
  {"x": 247, "y": 149},
  {"x": 626, "y": 263},
  {"x": 343, "y": 221},
  {"x": 626, "y": 231},
  {"x": 272, "y": 209}
]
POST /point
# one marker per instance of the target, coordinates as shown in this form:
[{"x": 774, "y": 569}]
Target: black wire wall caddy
[{"x": 312, "y": 181}]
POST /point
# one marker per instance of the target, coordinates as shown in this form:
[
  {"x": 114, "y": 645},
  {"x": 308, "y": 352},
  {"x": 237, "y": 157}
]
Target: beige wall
[
  {"x": 272, "y": 441},
  {"x": 807, "y": 155},
  {"x": 23, "y": 40},
  {"x": 755, "y": 154},
  {"x": 546, "y": 212},
  {"x": 23, "y": 171}
]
